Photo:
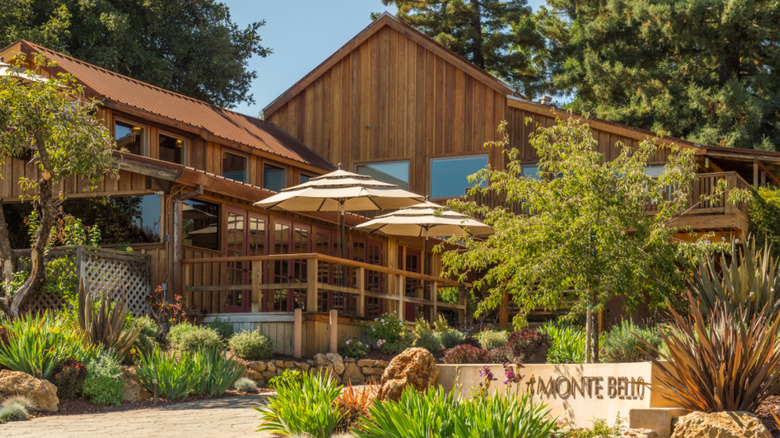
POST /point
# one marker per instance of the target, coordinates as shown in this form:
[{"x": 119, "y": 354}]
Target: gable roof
[
  {"x": 389, "y": 20},
  {"x": 209, "y": 120}
]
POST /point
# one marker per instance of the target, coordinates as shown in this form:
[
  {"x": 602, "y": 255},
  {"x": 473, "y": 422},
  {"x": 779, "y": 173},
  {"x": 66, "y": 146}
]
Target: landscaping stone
[
  {"x": 720, "y": 425},
  {"x": 381, "y": 363},
  {"x": 337, "y": 361},
  {"x": 252, "y": 374},
  {"x": 352, "y": 374},
  {"x": 640, "y": 433},
  {"x": 134, "y": 391},
  {"x": 257, "y": 365},
  {"x": 269, "y": 366},
  {"x": 372, "y": 371},
  {"x": 289, "y": 364},
  {"x": 415, "y": 367},
  {"x": 303, "y": 366},
  {"x": 42, "y": 393},
  {"x": 267, "y": 375},
  {"x": 319, "y": 360},
  {"x": 366, "y": 363}
]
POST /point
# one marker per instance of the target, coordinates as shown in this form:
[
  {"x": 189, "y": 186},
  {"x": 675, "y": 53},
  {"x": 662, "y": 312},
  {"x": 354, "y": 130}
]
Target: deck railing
[{"x": 312, "y": 282}]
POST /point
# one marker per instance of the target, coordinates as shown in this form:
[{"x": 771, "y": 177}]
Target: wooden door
[
  {"x": 245, "y": 236},
  {"x": 412, "y": 285}
]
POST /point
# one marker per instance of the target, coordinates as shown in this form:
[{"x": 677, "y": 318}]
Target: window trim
[
  {"x": 445, "y": 158},
  {"x": 144, "y": 137},
  {"x": 238, "y": 154},
  {"x": 400, "y": 160},
  {"x": 280, "y": 167},
  {"x": 184, "y": 148}
]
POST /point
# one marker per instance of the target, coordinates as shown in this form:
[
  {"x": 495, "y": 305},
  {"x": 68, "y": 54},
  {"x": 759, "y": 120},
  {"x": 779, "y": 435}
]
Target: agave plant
[
  {"x": 105, "y": 323},
  {"x": 749, "y": 280}
]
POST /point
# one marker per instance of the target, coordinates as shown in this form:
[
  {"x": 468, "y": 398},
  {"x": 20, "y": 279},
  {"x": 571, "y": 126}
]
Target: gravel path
[{"x": 228, "y": 417}]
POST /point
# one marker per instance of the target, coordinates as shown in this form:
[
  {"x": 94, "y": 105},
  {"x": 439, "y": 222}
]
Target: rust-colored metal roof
[{"x": 214, "y": 121}]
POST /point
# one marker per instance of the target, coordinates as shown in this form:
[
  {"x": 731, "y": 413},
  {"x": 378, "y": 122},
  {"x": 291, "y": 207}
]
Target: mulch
[{"x": 764, "y": 412}]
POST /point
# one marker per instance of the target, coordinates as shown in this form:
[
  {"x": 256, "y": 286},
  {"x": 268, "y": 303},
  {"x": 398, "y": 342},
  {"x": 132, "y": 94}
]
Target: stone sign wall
[{"x": 580, "y": 393}]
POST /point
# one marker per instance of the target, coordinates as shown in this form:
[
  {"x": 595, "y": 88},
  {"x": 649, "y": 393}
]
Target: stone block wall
[{"x": 343, "y": 370}]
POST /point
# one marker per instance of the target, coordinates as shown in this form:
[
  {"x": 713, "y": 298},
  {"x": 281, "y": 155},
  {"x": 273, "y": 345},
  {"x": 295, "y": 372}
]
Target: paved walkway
[{"x": 229, "y": 417}]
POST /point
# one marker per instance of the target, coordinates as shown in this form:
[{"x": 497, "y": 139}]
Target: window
[
  {"x": 655, "y": 171},
  {"x": 449, "y": 176},
  {"x": 172, "y": 149},
  {"x": 273, "y": 178},
  {"x": 304, "y": 178},
  {"x": 200, "y": 224},
  {"x": 130, "y": 136},
  {"x": 120, "y": 219},
  {"x": 395, "y": 172},
  {"x": 234, "y": 166},
  {"x": 531, "y": 171}
]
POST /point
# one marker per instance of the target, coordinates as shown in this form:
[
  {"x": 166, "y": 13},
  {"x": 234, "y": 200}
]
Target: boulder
[
  {"x": 319, "y": 360},
  {"x": 720, "y": 425},
  {"x": 415, "y": 367},
  {"x": 256, "y": 365},
  {"x": 269, "y": 366},
  {"x": 41, "y": 393},
  {"x": 134, "y": 391},
  {"x": 352, "y": 374},
  {"x": 303, "y": 366},
  {"x": 337, "y": 361},
  {"x": 381, "y": 363}
]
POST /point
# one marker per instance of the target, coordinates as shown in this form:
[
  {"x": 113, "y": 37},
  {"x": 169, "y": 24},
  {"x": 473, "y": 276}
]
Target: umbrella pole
[
  {"x": 424, "y": 261},
  {"x": 343, "y": 245}
]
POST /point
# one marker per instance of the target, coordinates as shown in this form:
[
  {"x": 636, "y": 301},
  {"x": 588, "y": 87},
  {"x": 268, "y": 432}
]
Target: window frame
[
  {"x": 144, "y": 137},
  {"x": 184, "y": 147},
  {"x": 276, "y": 166},
  {"x": 237, "y": 154},
  {"x": 400, "y": 160},
  {"x": 446, "y": 158}
]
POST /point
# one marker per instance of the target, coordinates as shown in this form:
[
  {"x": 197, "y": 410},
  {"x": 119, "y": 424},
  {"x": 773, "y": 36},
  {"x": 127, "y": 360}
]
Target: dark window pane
[
  {"x": 449, "y": 176},
  {"x": 200, "y": 224},
  {"x": 234, "y": 167},
  {"x": 130, "y": 137},
  {"x": 305, "y": 178},
  {"x": 171, "y": 149},
  {"x": 273, "y": 178},
  {"x": 396, "y": 172},
  {"x": 121, "y": 219}
]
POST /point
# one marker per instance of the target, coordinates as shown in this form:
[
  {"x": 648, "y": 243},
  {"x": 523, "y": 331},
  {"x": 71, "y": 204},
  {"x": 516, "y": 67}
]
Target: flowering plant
[
  {"x": 388, "y": 334},
  {"x": 353, "y": 348},
  {"x": 164, "y": 311}
]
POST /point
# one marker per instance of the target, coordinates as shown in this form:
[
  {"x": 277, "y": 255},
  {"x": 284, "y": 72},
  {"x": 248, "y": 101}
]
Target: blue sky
[{"x": 302, "y": 34}]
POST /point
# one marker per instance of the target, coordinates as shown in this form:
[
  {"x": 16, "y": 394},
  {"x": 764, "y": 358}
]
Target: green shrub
[
  {"x": 252, "y": 345},
  {"x": 245, "y": 384},
  {"x": 69, "y": 378},
  {"x": 307, "y": 408},
  {"x": 489, "y": 339},
  {"x": 214, "y": 372},
  {"x": 395, "y": 347},
  {"x": 15, "y": 408},
  {"x": 287, "y": 378},
  {"x": 189, "y": 338},
  {"x": 387, "y": 329},
  {"x": 428, "y": 341},
  {"x": 354, "y": 349},
  {"x": 103, "y": 384},
  {"x": 451, "y": 338},
  {"x": 622, "y": 343},
  {"x": 600, "y": 429},
  {"x": 567, "y": 343},
  {"x": 104, "y": 322},
  {"x": 147, "y": 337},
  {"x": 174, "y": 373},
  {"x": 223, "y": 327}
]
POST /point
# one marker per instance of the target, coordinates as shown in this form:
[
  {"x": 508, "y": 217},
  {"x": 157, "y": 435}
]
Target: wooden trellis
[{"x": 117, "y": 273}]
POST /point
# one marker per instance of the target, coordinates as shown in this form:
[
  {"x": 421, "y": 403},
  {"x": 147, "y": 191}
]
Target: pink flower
[
  {"x": 380, "y": 342},
  {"x": 349, "y": 341}
]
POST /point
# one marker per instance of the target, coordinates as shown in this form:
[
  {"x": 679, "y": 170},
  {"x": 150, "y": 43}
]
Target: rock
[
  {"x": 640, "y": 433},
  {"x": 352, "y": 374},
  {"x": 289, "y": 364},
  {"x": 415, "y": 367},
  {"x": 349, "y": 360},
  {"x": 720, "y": 425},
  {"x": 268, "y": 375},
  {"x": 134, "y": 391},
  {"x": 366, "y": 363},
  {"x": 381, "y": 363},
  {"x": 337, "y": 361},
  {"x": 328, "y": 369},
  {"x": 252, "y": 374},
  {"x": 42, "y": 393},
  {"x": 303, "y": 366},
  {"x": 310, "y": 361},
  {"x": 257, "y": 365},
  {"x": 269, "y": 366},
  {"x": 319, "y": 360},
  {"x": 372, "y": 371}
]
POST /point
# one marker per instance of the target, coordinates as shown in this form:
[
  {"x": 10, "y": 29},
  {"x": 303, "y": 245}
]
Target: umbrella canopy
[
  {"x": 426, "y": 219},
  {"x": 18, "y": 73}
]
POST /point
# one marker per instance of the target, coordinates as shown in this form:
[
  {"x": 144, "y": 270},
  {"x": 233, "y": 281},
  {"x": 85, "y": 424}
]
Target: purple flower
[{"x": 486, "y": 373}]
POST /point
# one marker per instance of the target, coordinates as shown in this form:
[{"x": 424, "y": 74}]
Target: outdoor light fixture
[{"x": 179, "y": 143}]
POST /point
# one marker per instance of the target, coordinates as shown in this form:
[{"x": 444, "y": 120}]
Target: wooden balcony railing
[{"x": 314, "y": 283}]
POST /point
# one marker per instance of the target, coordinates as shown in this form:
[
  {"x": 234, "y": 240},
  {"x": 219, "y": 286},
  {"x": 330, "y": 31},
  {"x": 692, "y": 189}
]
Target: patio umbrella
[{"x": 18, "y": 73}]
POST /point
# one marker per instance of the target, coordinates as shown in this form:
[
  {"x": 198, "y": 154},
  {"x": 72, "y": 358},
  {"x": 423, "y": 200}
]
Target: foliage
[
  {"x": 105, "y": 322},
  {"x": 421, "y": 327},
  {"x": 749, "y": 279},
  {"x": 388, "y": 334},
  {"x": 68, "y": 378},
  {"x": 305, "y": 408},
  {"x": 166, "y": 312},
  {"x": 498, "y": 36},
  {"x": 223, "y": 327},
  {"x": 451, "y": 338},
  {"x": 148, "y": 41},
  {"x": 103, "y": 384},
  {"x": 37, "y": 344},
  {"x": 252, "y": 345},
  {"x": 466, "y": 354},
  {"x": 583, "y": 234},
  {"x": 600, "y": 429},
  {"x": 353, "y": 404},
  {"x": 186, "y": 337},
  {"x": 704, "y": 71},
  {"x": 624, "y": 342},
  {"x": 428, "y": 341},
  {"x": 245, "y": 384},
  {"x": 437, "y": 413},
  {"x": 174, "y": 373},
  {"x": 353, "y": 348},
  {"x": 527, "y": 346},
  {"x": 441, "y": 325},
  {"x": 147, "y": 336},
  {"x": 764, "y": 217},
  {"x": 567, "y": 343},
  {"x": 728, "y": 361},
  {"x": 213, "y": 372},
  {"x": 287, "y": 378},
  {"x": 491, "y": 338},
  {"x": 15, "y": 408}
]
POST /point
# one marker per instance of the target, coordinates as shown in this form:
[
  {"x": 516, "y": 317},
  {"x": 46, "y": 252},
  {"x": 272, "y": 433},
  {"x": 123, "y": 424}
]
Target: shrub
[
  {"x": 189, "y": 338},
  {"x": 489, "y": 339},
  {"x": 600, "y": 429},
  {"x": 353, "y": 348},
  {"x": 103, "y": 384},
  {"x": 567, "y": 343},
  {"x": 224, "y": 328},
  {"x": 213, "y": 372},
  {"x": 353, "y": 404},
  {"x": 287, "y": 378},
  {"x": 451, "y": 338},
  {"x": 387, "y": 328},
  {"x": 245, "y": 384},
  {"x": 500, "y": 355},
  {"x": 105, "y": 322},
  {"x": 15, "y": 408},
  {"x": 428, "y": 341},
  {"x": 395, "y": 347},
  {"x": 174, "y": 373},
  {"x": 466, "y": 354},
  {"x": 623, "y": 343},
  {"x": 68, "y": 378},
  {"x": 252, "y": 345},
  {"x": 147, "y": 336},
  {"x": 527, "y": 346},
  {"x": 307, "y": 408}
]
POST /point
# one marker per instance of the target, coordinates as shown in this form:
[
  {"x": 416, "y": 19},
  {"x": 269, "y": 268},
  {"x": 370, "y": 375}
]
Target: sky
[{"x": 302, "y": 34}]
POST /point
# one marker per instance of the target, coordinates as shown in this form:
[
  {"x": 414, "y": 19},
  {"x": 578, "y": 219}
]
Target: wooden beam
[
  {"x": 361, "y": 285},
  {"x": 257, "y": 278},
  {"x": 768, "y": 172},
  {"x": 755, "y": 173},
  {"x": 312, "y": 285}
]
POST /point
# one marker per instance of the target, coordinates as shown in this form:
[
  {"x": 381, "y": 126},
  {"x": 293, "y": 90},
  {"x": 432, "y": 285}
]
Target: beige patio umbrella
[{"x": 18, "y": 73}]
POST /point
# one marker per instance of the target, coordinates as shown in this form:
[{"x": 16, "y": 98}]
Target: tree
[
  {"x": 498, "y": 36},
  {"x": 47, "y": 123},
  {"x": 702, "y": 70},
  {"x": 190, "y": 47},
  {"x": 585, "y": 234}
]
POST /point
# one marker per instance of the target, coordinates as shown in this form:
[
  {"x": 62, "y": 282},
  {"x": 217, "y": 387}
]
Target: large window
[
  {"x": 172, "y": 149},
  {"x": 200, "y": 224},
  {"x": 234, "y": 166},
  {"x": 531, "y": 171},
  {"x": 130, "y": 136},
  {"x": 395, "y": 172},
  {"x": 120, "y": 219},
  {"x": 273, "y": 178},
  {"x": 449, "y": 176},
  {"x": 656, "y": 170}
]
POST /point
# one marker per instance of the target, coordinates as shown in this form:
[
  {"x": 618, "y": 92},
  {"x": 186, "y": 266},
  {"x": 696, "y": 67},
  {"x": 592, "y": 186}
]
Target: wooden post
[
  {"x": 361, "y": 284},
  {"x": 755, "y": 173},
  {"x": 257, "y": 278},
  {"x": 311, "y": 284},
  {"x": 401, "y": 296},
  {"x": 334, "y": 331},
  {"x": 503, "y": 312},
  {"x": 297, "y": 333},
  {"x": 186, "y": 283},
  {"x": 435, "y": 298}
]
